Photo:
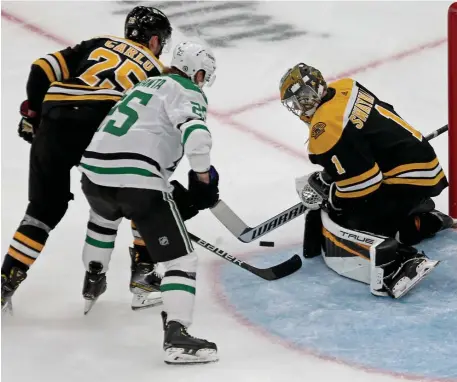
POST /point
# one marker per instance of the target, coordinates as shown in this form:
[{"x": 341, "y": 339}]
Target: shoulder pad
[{"x": 330, "y": 119}]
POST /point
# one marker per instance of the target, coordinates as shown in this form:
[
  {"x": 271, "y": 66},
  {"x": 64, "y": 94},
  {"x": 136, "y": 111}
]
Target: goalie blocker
[{"x": 390, "y": 268}]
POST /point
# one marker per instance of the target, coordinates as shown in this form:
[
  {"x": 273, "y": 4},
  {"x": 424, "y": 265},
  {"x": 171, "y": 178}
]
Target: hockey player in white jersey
[{"x": 126, "y": 170}]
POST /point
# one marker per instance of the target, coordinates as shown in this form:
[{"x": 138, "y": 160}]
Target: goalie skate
[
  {"x": 411, "y": 273},
  {"x": 181, "y": 348}
]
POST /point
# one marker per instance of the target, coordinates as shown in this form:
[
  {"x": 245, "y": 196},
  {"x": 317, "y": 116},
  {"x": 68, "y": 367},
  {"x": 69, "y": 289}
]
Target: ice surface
[{"x": 258, "y": 153}]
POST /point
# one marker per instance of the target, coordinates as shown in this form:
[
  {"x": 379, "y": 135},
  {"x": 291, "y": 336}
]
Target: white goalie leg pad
[
  {"x": 101, "y": 235},
  {"x": 353, "y": 253},
  {"x": 178, "y": 288}
]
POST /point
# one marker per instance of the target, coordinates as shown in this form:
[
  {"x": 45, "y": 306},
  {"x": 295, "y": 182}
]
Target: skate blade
[
  {"x": 432, "y": 265},
  {"x": 88, "y": 305},
  {"x": 179, "y": 356},
  {"x": 145, "y": 301}
]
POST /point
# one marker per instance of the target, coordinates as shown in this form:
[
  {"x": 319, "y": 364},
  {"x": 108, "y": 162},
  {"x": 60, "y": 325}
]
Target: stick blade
[
  {"x": 229, "y": 219},
  {"x": 279, "y": 271}
]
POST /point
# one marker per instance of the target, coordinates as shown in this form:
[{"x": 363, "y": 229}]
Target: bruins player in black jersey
[
  {"x": 69, "y": 92},
  {"x": 379, "y": 175}
]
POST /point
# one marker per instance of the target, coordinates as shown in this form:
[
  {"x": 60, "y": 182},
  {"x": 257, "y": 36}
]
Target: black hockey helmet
[{"x": 144, "y": 22}]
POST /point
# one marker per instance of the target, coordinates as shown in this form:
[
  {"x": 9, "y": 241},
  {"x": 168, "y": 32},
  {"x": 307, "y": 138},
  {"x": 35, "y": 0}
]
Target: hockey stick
[
  {"x": 247, "y": 234},
  {"x": 276, "y": 272},
  {"x": 437, "y": 132}
]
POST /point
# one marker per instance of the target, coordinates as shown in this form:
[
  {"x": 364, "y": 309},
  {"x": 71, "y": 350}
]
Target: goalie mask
[{"x": 302, "y": 89}]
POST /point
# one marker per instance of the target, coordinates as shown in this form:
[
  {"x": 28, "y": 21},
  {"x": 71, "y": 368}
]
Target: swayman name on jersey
[{"x": 145, "y": 135}]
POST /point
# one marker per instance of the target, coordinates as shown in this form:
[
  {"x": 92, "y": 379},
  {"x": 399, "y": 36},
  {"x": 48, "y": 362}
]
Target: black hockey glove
[
  {"x": 183, "y": 201},
  {"x": 204, "y": 195},
  {"x": 29, "y": 122}
]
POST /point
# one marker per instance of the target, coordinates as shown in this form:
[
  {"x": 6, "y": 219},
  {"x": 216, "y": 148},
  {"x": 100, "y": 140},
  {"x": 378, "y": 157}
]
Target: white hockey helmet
[{"x": 190, "y": 57}]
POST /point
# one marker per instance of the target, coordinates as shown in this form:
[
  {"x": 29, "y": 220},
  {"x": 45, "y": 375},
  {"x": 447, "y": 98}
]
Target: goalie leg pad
[{"x": 358, "y": 255}]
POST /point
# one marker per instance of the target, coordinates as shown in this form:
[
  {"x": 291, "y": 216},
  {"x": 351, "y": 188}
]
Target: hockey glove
[
  {"x": 183, "y": 201},
  {"x": 204, "y": 195},
  {"x": 29, "y": 122},
  {"x": 316, "y": 191},
  {"x": 312, "y": 191}
]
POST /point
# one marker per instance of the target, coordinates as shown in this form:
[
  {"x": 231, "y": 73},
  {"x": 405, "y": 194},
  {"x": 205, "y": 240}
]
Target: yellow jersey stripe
[
  {"x": 61, "y": 97},
  {"x": 19, "y": 256},
  {"x": 358, "y": 194},
  {"x": 417, "y": 181},
  {"x": 43, "y": 64},
  {"x": 133, "y": 225},
  {"x": 29, "y": 242},
  {"x": 333, "y": 239},
  {"x": 359, "y": 178},
  {"x": 75, "y": 86},
  {"x": 63, "y": 65},
  {"x": 412, "y": 167}
]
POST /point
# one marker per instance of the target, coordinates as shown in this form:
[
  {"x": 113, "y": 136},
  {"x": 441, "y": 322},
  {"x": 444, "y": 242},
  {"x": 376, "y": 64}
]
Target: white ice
[{"x": 49, "y": 339}]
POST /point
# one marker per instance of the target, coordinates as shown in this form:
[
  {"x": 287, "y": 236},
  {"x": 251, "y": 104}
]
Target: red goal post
[{"x": 452, "y": 76}]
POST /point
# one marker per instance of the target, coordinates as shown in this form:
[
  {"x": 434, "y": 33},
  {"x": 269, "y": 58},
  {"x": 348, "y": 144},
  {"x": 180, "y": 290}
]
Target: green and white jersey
[{"x": 145, "y": 135}]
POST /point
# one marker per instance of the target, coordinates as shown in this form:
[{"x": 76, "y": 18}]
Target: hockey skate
[
  {"x": 144, "y": 281},
  {"x": 412, "y": 271},
  {"x": 94, "y": 285},
  {"x": 182, "y": 348},
  {"x": 9, "y": 285}
]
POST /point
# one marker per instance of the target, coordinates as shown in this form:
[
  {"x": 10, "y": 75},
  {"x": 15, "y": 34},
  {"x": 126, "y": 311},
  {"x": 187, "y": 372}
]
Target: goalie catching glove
[{"x": 316, "y": 191}]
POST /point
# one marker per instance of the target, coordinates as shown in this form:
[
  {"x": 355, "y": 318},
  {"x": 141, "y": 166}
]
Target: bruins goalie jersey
[
  {"x": 96, "y": 70},
  {"x": 368, "y": 149}
]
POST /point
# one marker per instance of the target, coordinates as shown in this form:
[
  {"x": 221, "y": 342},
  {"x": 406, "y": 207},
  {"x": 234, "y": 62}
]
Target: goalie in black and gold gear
[
  {"x": 69, "y": 93},
  {"x": 379, "y": 177}
]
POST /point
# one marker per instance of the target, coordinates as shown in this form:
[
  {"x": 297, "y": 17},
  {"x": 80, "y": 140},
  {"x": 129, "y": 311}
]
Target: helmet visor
[{"x": 302, "y": 100}]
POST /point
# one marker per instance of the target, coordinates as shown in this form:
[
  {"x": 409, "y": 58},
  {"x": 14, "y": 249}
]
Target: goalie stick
[
  {"x": 276, "y": 272},
  {"x": 437, "y": 132},
  {"x": 247, "y": 234}
]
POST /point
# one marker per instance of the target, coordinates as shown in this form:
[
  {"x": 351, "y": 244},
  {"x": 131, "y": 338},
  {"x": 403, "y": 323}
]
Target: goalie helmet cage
[{"x": 452, "y": 77}]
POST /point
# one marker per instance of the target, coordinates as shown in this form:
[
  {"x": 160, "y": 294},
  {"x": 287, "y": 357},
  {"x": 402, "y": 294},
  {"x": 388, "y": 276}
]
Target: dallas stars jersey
[
  {"x": 366, "y": 146},
  {"x": 145, "y": 135},
  {"x": 100, "y": 69}
]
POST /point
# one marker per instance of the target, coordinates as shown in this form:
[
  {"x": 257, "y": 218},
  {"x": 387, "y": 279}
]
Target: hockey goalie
[{"x": 372, "y": 201}]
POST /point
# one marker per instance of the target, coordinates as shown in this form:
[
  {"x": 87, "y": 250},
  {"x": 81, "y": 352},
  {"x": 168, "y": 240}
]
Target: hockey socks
[{"x": 178, "y": 288}]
